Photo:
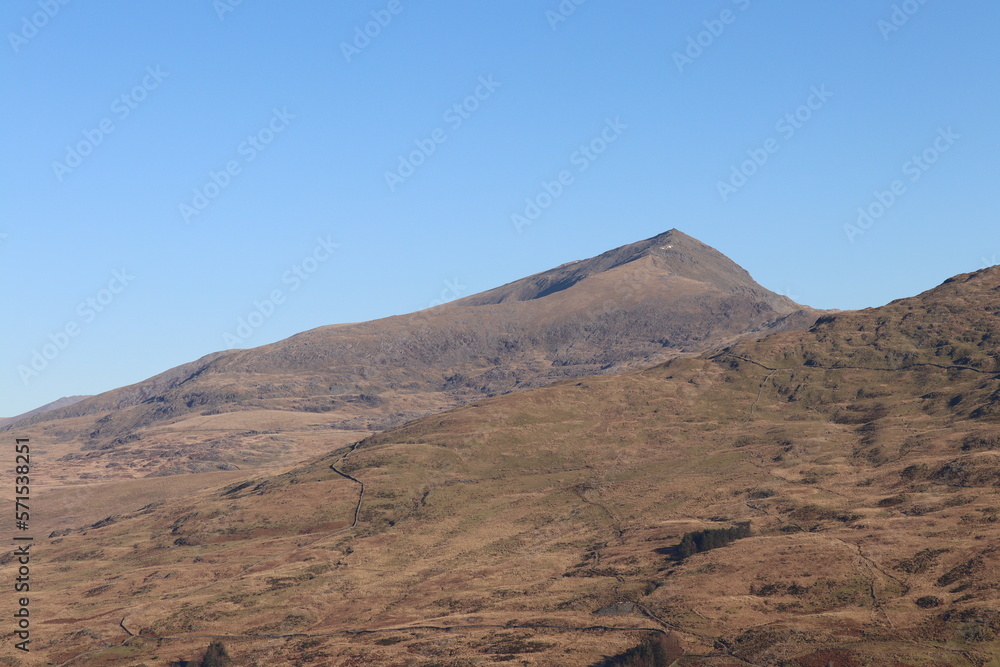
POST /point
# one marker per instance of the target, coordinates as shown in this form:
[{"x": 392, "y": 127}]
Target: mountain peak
[
  {"x": 673, "y": 239},
  {"x": 670, "y": 254}
]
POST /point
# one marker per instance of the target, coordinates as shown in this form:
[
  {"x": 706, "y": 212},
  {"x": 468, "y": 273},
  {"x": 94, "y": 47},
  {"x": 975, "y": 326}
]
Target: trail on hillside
[{"x": 871, "y": 564}]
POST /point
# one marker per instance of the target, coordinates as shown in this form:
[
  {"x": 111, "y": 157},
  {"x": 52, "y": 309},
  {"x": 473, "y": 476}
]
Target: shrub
[
  {"x": 712, "y": 538},
  {"x": 216, "y": 656},
  {"x": 657, "y": 651}
]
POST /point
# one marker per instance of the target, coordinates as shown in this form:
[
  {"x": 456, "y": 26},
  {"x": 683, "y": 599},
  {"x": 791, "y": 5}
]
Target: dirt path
[{"x": 361, "y": 494}]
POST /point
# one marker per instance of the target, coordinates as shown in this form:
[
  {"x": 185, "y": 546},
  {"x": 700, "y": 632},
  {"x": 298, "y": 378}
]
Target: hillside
[
  {"x": 59, "y": 403},
  {"x": 545, "y": 527},
  {"x": 628, "y": 308}
]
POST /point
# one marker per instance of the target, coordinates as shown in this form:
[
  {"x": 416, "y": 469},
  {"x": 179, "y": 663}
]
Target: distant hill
[
  {"x": 60, "y": 403},
  {"x": 853, "y": 469},
  {"x": 628, "y": 308}
]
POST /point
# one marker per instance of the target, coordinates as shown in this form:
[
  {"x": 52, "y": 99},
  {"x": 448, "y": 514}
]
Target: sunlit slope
[
  {"x": 863, "y": 452},
  {"x": 628, "y": 308}
]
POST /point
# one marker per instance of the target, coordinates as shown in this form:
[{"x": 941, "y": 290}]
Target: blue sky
[{"x": 174, "y": 168}]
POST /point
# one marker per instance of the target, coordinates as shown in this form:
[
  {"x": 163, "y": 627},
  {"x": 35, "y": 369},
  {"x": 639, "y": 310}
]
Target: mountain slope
[
  {"x": 628, "y": 308},
  {"x": 540, "y": 526},
  {"x": 59, "y": 403},
  {"x": 675, "y": 253}
]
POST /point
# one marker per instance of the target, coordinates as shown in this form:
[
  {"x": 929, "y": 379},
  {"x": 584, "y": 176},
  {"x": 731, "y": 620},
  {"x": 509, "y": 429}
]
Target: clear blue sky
[{"x": 198, "y": 80}]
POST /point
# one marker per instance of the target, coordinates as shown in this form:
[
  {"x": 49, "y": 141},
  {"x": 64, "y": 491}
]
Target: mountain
[
  {"x": 628, "y": 308},
  {"x": 59, "y": 403},
  {"x": 816, "y": 497}
]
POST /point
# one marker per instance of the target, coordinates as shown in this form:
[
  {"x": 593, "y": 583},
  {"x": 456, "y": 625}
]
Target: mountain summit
[
  {"x": 631, "y": 307},
  {"x": 673, "y": 254}
]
